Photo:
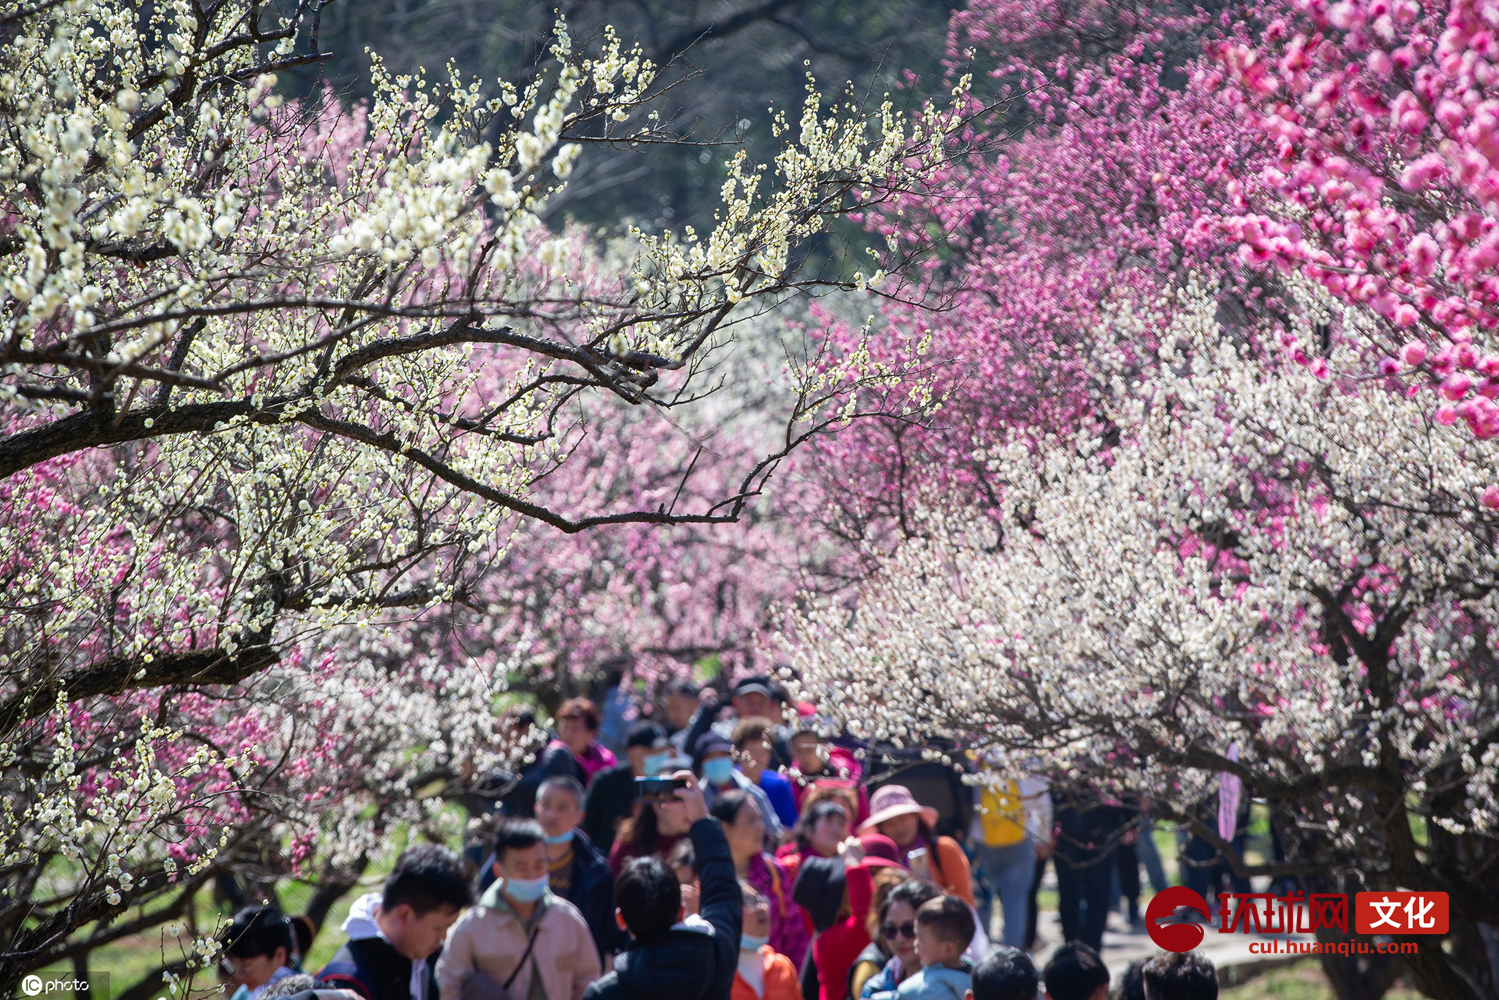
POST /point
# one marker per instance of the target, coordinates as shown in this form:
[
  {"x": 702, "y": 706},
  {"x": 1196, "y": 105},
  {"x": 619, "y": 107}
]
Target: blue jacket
[
  {"x": 936, "y": 982},
  {"x": 778, "y": 790}
]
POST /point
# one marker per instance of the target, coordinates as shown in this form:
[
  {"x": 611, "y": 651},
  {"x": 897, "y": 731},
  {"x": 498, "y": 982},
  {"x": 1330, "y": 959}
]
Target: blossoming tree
[
  {"x": 1275, "y": 574},
  {"x": 1375, "y": 173},
  {"x": 276, "y": 380}
]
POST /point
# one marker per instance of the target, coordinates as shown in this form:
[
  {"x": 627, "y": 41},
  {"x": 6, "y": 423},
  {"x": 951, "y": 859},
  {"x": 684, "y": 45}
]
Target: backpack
[{"x": 1002, "y": 813}]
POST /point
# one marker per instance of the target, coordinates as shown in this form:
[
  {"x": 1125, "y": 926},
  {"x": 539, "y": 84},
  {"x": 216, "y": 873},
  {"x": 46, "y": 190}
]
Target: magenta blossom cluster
[{"x": 1372, "y": 134}]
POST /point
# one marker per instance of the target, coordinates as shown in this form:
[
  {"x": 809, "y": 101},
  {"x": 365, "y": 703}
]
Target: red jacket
[{"x": 837, "y": 947}]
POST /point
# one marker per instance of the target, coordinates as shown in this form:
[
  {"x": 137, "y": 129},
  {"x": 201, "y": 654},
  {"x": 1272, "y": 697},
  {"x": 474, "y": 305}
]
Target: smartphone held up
[{"x": 658, "y": 789}]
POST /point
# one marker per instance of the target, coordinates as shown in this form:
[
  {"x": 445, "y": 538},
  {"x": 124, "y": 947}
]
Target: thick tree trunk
[
  {"x": 332, "y": 890},
  {"x": 1473, "y": 952},
  {"x": 1435, "y": 974},
  {"x": 1358, "y": 977}
]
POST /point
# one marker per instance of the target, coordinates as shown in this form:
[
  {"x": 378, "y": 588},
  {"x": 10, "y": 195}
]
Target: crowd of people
[{"x": 769, "y": 864}]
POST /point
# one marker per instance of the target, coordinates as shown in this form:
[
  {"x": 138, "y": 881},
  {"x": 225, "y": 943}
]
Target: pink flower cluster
[{"x": 1379, "y": 121}]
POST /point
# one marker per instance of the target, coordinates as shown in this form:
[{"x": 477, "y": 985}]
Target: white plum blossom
[
  {"x": 1250, "y": 565},
  {"x": 276, "y": 377}
]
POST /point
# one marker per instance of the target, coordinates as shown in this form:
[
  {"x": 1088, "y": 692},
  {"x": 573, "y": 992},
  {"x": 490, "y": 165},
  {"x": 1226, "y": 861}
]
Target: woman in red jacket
[{"x": 837, "y": 893}]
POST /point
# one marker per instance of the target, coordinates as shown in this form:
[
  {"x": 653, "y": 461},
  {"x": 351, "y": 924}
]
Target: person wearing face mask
[
  {"x": 395, "y": 935},
  {"x": 576, "y": 870},
  {"x": 611, "y": 797},
  {"x": 745, "y": 832},
  {"x": 714, "y": 762},
  {"x": 521, "y": 941},
  {"x": 763, "y": 973}
]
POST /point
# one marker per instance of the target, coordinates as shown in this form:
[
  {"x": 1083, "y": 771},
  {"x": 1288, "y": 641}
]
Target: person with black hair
[
  {"x": 681, "y": 703},
  {"x": 303, "y": 930},
  {"x": 611, "y": 797},
  {"x": 1006, "y": 974},
  {"x": 763, "y": 698},
  {"x": 396, "y": 935},
  {"x": 576, "y": 871},
  {"x": 895, "y": 925},
  {"x": 1132, "y": 985},
  {"x": 652, "y": 829},
  {"x": 1186, "y": 975},
  {"x": 548, "y": 758},
  {"x": 692, "y": 959},
  {"x": 754, "y": 751},
  {"x": 820, "y": 829},
  {"x": 258, "y": 949},
  {"x": 944, "y": 930},
  {"x": 521, "y": 940},
  {"x": 1075, "y": 972},
  {"x": 713, "y": 760},
  {"x": 745, "y": 829},
  {"x": 764, "y": 973}
]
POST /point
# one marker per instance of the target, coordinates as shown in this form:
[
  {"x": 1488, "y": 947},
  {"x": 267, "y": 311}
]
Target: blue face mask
[
  {"x": 561, "y": 838},
  {"x": 751, "y": 942},
  {"x": 525, "y": 890},
  {"x": 718, "y": 771},
  {"x": 654, "y": 762}
]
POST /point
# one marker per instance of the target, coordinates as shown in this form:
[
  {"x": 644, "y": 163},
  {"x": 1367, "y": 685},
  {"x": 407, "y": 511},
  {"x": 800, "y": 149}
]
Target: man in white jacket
[{"x": 521, "y": 941}]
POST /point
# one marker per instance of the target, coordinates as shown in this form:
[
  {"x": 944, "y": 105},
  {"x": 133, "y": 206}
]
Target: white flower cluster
[
  {"x": 1296, "y": 569},
  {"x": 185, "y": 256},
  {"x": 110, "y": 832}
]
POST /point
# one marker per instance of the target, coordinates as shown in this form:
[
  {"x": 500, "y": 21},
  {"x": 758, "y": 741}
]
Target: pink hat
[
  {"x": 881, "y": 852},
  {"x": 890, "y": 801}
]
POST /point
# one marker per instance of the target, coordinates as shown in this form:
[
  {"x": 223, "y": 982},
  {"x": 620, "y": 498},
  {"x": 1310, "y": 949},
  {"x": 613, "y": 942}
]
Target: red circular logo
[{"x": 1161, "y": 919}]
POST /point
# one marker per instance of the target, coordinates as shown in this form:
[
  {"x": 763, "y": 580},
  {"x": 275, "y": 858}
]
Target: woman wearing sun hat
[{"x": 894, "y": 812}]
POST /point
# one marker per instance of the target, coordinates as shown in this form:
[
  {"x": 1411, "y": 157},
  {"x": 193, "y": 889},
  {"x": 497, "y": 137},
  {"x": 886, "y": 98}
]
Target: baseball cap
[{"x": 646, "y": 734}]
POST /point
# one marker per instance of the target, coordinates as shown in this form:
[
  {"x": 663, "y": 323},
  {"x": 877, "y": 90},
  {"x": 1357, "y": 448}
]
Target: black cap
[
  {"x": 710, "y": 742},
  {"x": 757, "y": 685},
  {"x": 646, "y": 734}
]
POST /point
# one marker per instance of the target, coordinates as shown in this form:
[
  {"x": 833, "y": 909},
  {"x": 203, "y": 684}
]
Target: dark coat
[
  {"x": 554, "y": 761},
  {"x": 374, "y": 970},
  {"x": 687, "y": 964},
  {"x": 610, "y": 798}
]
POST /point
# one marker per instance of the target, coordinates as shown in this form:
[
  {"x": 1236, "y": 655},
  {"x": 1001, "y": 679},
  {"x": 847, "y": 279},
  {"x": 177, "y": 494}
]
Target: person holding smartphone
[
  {"x": 655, "y": 825},
  {"x": 675, "y": 955}
]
